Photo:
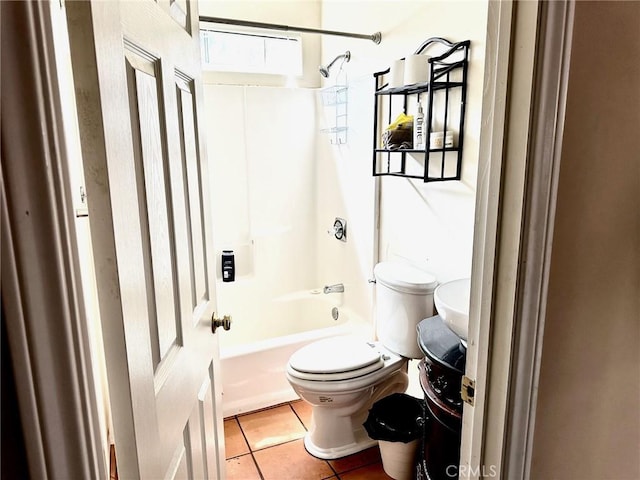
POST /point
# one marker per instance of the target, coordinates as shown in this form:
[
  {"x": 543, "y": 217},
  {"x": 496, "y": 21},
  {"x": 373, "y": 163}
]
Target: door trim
[
  {"x": 514, "y": 218},
  {"x": 41, "y": 289},
  {"x": 550, "y": 89},
  {"x": 500, "y": 18}
]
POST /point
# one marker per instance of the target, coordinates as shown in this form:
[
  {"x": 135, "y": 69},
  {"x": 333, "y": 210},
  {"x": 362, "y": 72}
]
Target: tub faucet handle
[{"x": 225, "y": 322}]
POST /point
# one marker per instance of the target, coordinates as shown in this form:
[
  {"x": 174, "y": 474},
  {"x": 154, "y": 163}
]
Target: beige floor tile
[
  {"x": 303, "y": 410},
  {"x": 234, "y": 441},
  {"x": 242, "y": 468},
  {"x": 290, "y": 461},
  {"x": 271, "y": 427}
]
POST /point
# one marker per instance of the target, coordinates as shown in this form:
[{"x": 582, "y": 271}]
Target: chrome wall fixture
[
  {"x": 324, "y": 71},
  {"x": 339, "y": 229},
  {"x": 375, "y": 38},
  {"x": 337, "y": 288}
]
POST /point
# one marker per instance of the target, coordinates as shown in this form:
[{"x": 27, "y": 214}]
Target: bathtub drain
[{"x": 335, "y": 313}]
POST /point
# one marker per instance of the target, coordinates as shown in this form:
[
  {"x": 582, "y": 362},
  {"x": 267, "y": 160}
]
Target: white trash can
[
  {"x": 397, "y": 422},
  {"x": 399, "y": 459}
]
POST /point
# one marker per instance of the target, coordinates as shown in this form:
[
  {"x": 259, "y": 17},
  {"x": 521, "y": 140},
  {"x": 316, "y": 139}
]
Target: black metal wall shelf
[{"x": 445, "y": 91}]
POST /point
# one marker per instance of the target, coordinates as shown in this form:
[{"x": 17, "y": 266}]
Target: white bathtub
[{"x": 253, "y": 375}]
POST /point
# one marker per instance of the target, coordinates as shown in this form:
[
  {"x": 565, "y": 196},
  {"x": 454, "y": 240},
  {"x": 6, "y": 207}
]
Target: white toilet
[{"x": 342, "y": 377}]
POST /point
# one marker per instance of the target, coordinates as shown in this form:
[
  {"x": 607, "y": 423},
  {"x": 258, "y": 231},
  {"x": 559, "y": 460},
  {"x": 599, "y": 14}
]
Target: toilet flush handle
[{"x": 225, "y": 322}]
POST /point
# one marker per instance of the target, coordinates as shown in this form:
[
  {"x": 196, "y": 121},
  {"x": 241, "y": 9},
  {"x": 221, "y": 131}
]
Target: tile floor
[{"x": 267, "y": 445}]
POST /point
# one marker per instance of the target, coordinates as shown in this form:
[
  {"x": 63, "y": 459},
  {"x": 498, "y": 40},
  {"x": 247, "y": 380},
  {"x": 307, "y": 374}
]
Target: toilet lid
[{"x": 337, "y": 358}]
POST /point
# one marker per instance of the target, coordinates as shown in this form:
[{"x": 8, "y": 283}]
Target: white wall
[
  {"x": 587, "y": 422},
  {"x": 346, "y": 189},
  {"x": 430, "y": 225}
]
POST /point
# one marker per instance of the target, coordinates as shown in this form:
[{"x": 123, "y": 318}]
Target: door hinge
[
  {"x": 82, "y": 210},
  {"x": 468, "y": 391}
]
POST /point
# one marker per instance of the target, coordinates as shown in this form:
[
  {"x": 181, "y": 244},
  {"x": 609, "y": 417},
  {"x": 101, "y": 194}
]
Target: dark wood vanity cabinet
[{"x": 441, "y": 373}]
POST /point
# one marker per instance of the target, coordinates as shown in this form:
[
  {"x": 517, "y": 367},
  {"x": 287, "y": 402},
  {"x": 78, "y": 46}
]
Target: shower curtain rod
[{"x": 375, "y": 38}]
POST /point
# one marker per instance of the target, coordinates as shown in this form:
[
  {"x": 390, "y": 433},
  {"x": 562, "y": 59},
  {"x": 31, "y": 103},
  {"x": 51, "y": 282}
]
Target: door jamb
[
  {"x": 41, "y": 287},
  {"x": 500, "y": 18},
  {"x": 554, "y": 49},
  {"x": 514, "y": 230}
]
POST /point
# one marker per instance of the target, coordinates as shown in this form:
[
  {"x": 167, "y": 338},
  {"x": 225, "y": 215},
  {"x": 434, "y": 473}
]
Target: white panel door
[{"x": 137, "y": 74}]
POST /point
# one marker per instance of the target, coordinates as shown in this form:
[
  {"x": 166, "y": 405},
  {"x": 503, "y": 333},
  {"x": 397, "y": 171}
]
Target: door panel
[
  {"x": 150, "y": 162},
  {"x": 144, "y": 154},
  {"x": 196, "y": 457},
  {"x": 178, "y": 468},
  {"x": 207, "y": 408},
  {"x": 179, "y": 10},
  {"x": 190, "y": 161}
]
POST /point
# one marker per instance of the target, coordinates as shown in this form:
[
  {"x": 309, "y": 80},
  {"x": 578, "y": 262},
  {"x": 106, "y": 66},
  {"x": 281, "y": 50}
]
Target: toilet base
[
  {"x": 337, "y": 428},
  {"x": 362, "y": 443}
]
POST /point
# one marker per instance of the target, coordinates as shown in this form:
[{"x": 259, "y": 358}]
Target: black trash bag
[{"x": 396, "y": 418}]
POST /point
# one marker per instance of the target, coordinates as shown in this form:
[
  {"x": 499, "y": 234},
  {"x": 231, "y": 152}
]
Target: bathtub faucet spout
[{"x": 337, "y": 288}]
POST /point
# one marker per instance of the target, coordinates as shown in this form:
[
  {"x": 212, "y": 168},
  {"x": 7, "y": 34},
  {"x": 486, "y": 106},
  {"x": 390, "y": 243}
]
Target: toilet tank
[{"x": 404, "y": 297}]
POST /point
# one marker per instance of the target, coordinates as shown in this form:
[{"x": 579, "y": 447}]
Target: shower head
[{"x": 324, "y": 71}]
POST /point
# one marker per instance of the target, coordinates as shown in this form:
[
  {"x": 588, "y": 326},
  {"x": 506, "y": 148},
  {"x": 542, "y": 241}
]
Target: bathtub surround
[
  {"x": 283, "y": 187},
  {"x": 345, "y": 188},
  {"x": 263, "y": 165}
]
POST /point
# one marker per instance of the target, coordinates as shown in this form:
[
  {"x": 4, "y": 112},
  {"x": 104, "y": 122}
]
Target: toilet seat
[{"x": 335, "y": 359}]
